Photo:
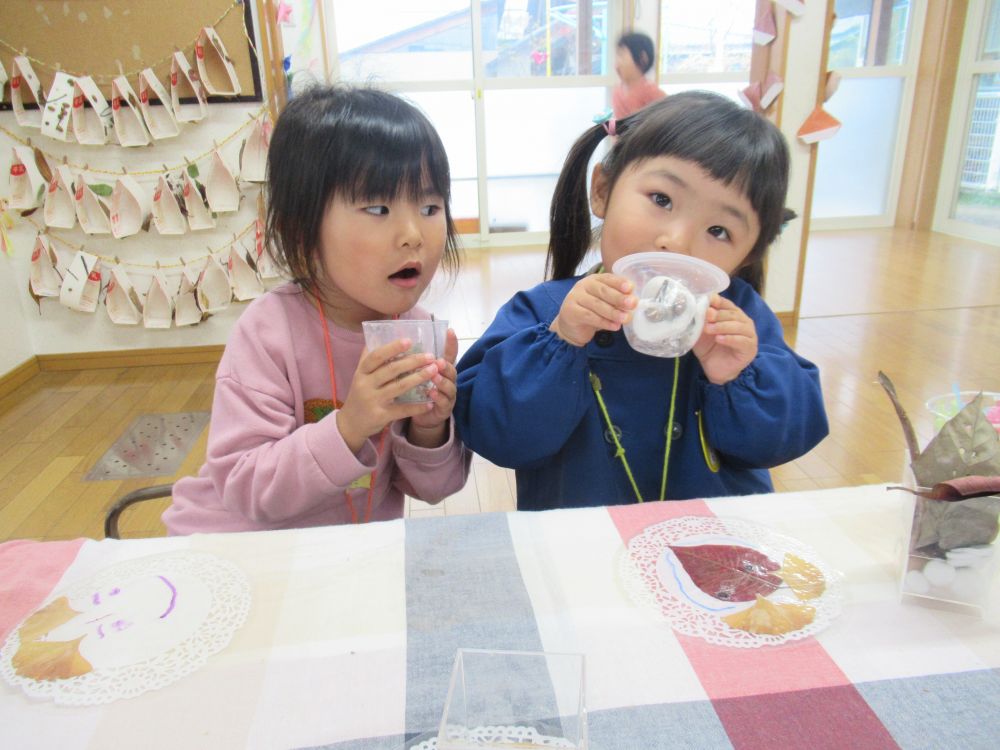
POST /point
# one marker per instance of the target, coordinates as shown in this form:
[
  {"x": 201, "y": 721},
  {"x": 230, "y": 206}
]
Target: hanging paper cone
[
  {"x": 3, "y": 80},
  {"x": 154, "y": 103},
  {"x": 214, "y": 291},
  {"x": 772, "y": 86},
  {"x": 764, "y": 29},
  {"x": 130, "y": 206},
  {"x": 215, "y": 67},
  {"x": 221, "y": 190},
  {"x": 265, "y": 263},
  {"x": 44, "y": 275},
  {"x": 81, "y": 285},
  {"x": 92, "y": 118},
  {"x": 158, "y": 312},
  {"x": 819, "y": 126},
  {"x": 184, "y": 84},
  {"x": 167, "y": 214},
  {"x": 832, "y": 84},
  {"x": 27, "y": 185},
  {"x": 125, "y": 114},
  {"x": 24, "y": 84},
  {"x": 186, "y": 311},
  {"x": 198, "y": 215},
  {"x": 91, "y": 210},
  {"x": 795, "y": 7},
  {"x": 57, "y": 114},
  {"x": 243, "y": 277},
  {"x": 59, "y": 210},
  {"x": 122, "y": 303},
  {"x": 750, "y": 96},
  {"x": 253, "y": 155}
]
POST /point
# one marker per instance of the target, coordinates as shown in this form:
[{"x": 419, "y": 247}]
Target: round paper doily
[
  {"x": 656, "y": 578},
  {"x": 491, "y": 736},
  {"x": 138, "y": 625}
]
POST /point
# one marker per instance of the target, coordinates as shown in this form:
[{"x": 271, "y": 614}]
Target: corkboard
[{"x": 89, "y": 37}]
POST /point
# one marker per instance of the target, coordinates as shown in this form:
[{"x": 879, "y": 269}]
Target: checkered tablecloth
[{"x": 352, "y": 633}]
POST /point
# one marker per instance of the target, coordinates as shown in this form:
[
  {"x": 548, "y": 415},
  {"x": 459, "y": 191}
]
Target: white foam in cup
[{"x": 674, "y": 291}]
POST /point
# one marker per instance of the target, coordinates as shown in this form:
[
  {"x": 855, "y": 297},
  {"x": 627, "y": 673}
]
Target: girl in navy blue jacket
[{"x": 553, "y": 390}]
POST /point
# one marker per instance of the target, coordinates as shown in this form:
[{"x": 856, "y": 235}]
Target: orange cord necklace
[{"x": 333, "y": 389}]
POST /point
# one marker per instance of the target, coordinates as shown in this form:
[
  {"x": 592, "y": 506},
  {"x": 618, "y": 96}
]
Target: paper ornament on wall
[
  {"x": 158, "y": 311},
  {"x": 215, "y": 67},
  {"x": 45, "y": 275},
  {"x": 58, "y": 112},
  {"x": 253, "y": 154},
  {"x": 167, "y": 214},
  {"x": 154, "y": 103},
  {"x": 91, "y": 210},
  {"x": 25, "y": 84},
  {"x": 184, "y": 84},
  {"x": 221, "y": 190},
  {"x": 81, "y": 284},
  {"x": 770, "y": 89},
  {"x": 819, "y": 126},
  {"x": 3, "y": 80},
  {"x": 214, "y": 291},
  {"x": 125, "y": 114},
  {"x": 243, "y": 276},
  {"x": 764, "y": 30},
  {"x": 27, "y": 184},
  {"x": 186, "y": 310},
  {"x": 59, "y": 210},
  {"x": 795, "y": 7},
  {"x": 750, "y": 96},
  {"x": 121, "y": 300},
  {"x": 130, "y": 207},
  {"x": 263, "y": 260},
  {"x": 198, "y": 215},
  {"x": 92, "y": 118},
  {"x": 832, "y": 84}
]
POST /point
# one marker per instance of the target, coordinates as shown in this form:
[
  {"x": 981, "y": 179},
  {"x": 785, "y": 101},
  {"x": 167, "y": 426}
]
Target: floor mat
[{"x": 154, "y": 445}]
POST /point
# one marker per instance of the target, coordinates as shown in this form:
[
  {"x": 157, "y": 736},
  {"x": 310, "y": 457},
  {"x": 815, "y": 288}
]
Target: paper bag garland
[
  {"x": 58, "y": 111},
  {"x": 45, "y": 277},
  {"x": 91, "y": 210},
  {"x": 214, "y": 291},
  {"x": 167, "y": 214},
  {"x": 198, "y": 215},
  {"x": 24, "y": 83},
  {"x": 121, "y": 300},
  {"x": 3, "y": 80},
  {"x": 221, "y": 190},
  {"x": 81, "y": 285},
  {"x": 59, "y": 212},
  {"x": 764, "y": 29},
  {"x": 186, "y": 310},
  {"x": 160, "y": 120},
  {"x": 215, "y": 67},
  {"x": 125, "y": 114},
  {"x": 253, "y": 155},
  {"x": 750, "y": 96},
  {"x": 91, "y": 114},
  {"x": 819, "y": 126},
  {"x": 243, "y": 276},
  {"x": 795, "y": 7},
  {"x": 27, "y": 184},
  {"x": 263, "y": 260},
  {"x": 158, "y": 311},
  {"x": 184, "y": 84},
  {"x": 130, "y": 207},
  {"x": 770, "y": 89}
]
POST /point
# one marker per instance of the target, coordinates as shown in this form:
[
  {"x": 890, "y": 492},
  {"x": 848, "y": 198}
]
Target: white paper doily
[
  {"x": 142, "y": 624},
  {"x": 497, "y": 736},
  {"x": 656, "y": 579}
]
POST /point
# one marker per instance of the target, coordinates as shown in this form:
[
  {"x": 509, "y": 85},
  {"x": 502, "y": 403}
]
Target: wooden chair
[{"x": 136, "y": 496}]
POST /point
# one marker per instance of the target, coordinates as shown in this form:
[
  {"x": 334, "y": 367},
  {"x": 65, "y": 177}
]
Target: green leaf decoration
[
  {"x": 193, "y": 171},
  {"x": 102, "y": 189}
]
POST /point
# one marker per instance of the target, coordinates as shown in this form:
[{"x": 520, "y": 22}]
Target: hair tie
[
  {"x": 607, "y": 120},
  {"x": 609, "y": 126}
]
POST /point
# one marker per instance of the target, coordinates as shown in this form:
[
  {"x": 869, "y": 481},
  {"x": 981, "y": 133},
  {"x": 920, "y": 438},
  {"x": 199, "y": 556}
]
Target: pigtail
[{"x": 569, "y": 215}]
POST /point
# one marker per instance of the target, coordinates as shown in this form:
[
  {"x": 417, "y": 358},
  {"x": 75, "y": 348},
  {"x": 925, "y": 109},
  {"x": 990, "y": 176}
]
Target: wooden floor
[{"x": 924, "y": 308}]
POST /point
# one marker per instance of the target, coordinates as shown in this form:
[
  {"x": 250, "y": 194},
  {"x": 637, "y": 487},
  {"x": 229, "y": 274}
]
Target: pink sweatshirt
[
  {"x": 269, "y": 463},
  {"x": 626, "y": 100}
]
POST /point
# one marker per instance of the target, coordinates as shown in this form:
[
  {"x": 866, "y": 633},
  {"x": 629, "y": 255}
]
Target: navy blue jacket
[{"x": 525, "y": 402}]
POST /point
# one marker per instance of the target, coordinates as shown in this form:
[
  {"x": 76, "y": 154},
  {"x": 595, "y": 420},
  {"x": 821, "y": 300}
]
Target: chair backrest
[{"x": 136, "y": 496}]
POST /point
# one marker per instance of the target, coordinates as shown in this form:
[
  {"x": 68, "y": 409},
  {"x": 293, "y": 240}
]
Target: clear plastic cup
[
  {"x": 425, "y": 336},
  {"x": 674, "y": 291},
  {"x": 947, "y": 405}
]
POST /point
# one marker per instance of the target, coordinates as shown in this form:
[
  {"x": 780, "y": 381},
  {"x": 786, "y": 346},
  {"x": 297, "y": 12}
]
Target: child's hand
[
  {"x": 378, "y": 380},
  {"x": 429, "y": 429},
  {"x": 729, "y": 342},
  {"x": 598, "y": 301}
]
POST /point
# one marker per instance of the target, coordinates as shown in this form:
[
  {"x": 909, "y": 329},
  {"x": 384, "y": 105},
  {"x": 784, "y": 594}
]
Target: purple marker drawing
[{"x": 173, "y": 596}]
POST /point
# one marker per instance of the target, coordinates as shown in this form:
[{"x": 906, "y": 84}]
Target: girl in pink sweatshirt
[{"x": 305, "y": 428}]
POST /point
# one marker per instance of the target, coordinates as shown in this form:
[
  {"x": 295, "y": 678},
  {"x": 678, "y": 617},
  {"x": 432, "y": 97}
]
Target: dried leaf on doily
[
  {"x": 50, "y": 660},
  {"x": 804, "y": 578},
  {"x": 768, "y": 618},
  {"x": 729, "y": 572},
  {"x": 49, "y": 617}
]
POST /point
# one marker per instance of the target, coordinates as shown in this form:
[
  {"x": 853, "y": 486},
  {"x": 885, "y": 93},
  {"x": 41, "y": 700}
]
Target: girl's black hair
[
  {"x": 734, "y": 145},
  {"x": 641, "y": 48},
  {"x": 355, "y": 142}
]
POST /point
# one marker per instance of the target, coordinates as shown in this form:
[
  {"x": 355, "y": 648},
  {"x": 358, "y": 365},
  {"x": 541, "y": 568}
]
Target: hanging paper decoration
[
  {"x": 283, "y": 14},
  {"x": 215, "y": 66},
  {"x": 795, "y": 7},
  {"x": 764, "y": 29},
  {"x": 186, "y": 310},
  {"x": 819, "y": 126},
  {"x": 81, "y": 285},
  {"x": 24, "y": 83},
  {"x": 91, "y": 114},
  {"x": 770, "y": 89},
  {"x": 125, "y": 115},
  {"x": 243, "y": 276},
  {"x": 121, "y": 301},
  {"x": 58, "y": 111},
  {"x": 45, "y": 276},
  {"x": 6, "y": 222},
  {"x": 750, "y": 96},
  {"x": 160, "y": 120},
  {"x": 262, "y": 256},
  {"x": 832, "y": 84},
  {"x": 253, "y": 154},
  {"x": 60, "y": 211},
  {"x": 158, "y": 311},
  {"x": 184, "y": 84},
  {"x": 214, "y": 291},
  {"x": 221, "y": 190},
  {"x": 3, "y": 80},
  {"x": 91, "y": 209},
  {"x": 198, "y": 215},
  {"x": 167, "y": 214},
  {"x": 130, "y": 207},
  {"x": 27, "y": 184}
]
